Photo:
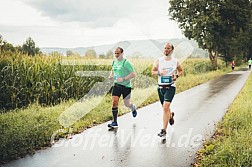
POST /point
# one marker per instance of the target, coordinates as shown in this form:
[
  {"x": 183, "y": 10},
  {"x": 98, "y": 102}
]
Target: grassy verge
[
  {"x": 25, "y": 130},
  {"x": 231, "y": 144}
]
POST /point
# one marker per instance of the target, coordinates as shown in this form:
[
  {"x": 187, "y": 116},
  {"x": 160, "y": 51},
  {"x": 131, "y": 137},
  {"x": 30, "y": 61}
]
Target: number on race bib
[{"x": 166, "y": 79}]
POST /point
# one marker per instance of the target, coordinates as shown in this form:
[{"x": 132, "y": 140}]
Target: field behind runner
[
  {"x": 25, "y": 130},
  {"x": 49, "y": 80}
]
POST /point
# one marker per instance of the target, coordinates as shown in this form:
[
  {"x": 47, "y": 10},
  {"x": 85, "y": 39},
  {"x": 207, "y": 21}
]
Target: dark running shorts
[
  {"x": 119, "y": 90},
  {"x": 166, "y": 94}
]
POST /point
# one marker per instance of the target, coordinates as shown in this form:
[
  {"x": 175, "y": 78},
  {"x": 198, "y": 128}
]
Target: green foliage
[
  {"x": 55, "y": 54},
  {"x": 42, "y": 79},
  {"x": 91, "y": 53},
  {"x": 221, "y": 27},
  {"x": 5, "y": 47},
  {"x": 232, "y": 141},
  {"x": 110, "y": 54},
  {"x": 69, "y": 53},
  {"x": 102, "y": 56},
  {"x": 25, "y": 130},
  {"x": 192, "y": 66},
  {"x": 29, "y": 47}
]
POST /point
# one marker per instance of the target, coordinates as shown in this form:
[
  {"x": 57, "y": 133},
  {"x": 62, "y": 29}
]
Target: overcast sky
[{"x": 79, "y": 23}]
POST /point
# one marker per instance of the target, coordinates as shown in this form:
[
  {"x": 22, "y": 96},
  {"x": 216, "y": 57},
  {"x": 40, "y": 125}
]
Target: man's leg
[
  {"x": 130, "y": 105},
  {"x": 161, "y": 93},
  {"x": 115, "y": 100},
  {"x": 127, "y": 103},
  {"x": 166, "y": 97},
  {"x": 165, "y": 105},
  {"x": 126, "y": 99},
  {"x": 166, "y": 114},
  {"x": 116, "y": 93}
]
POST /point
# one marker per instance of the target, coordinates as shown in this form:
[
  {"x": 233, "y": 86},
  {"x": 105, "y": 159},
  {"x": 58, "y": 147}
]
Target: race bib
[{"x": 166, "y": 79}]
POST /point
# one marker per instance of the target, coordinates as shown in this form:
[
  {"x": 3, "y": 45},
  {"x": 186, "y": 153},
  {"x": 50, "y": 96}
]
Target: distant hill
[{"x": 141, "y": 48}]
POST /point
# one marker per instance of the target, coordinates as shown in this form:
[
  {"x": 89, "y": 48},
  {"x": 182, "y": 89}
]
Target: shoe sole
[
  {"x": 162, "y": 137},
  {"x": 113, "y": 127}
]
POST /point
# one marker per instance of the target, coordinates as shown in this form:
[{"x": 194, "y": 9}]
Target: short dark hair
[
  {"x": 121, "y": 49},
  {"x": 170, "y": 45}
]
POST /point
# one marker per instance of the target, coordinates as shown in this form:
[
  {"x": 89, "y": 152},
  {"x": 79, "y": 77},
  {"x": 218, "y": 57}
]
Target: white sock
[{"x": 133, "y": 107}]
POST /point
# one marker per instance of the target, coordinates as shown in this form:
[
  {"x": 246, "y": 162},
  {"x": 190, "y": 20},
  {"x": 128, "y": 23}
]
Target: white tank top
[{"x": 170, "y": 68}]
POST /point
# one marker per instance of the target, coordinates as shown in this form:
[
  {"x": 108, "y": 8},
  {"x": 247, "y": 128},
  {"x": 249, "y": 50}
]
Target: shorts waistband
[
  {"x": 164, "y": 86},
  {"x": 122, "y": 86}
]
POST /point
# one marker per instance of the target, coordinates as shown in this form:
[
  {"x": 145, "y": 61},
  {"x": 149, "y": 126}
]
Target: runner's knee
[
  {"x": 115, "y": 103},
  {"x": 166, "y": 106}
]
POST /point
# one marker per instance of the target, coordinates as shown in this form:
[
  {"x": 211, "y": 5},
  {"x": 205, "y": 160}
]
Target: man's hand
[
  {"x": 162, "y": 72},
  {"x": 174, "y": 77},
  {"x": 119, "y": 79}
]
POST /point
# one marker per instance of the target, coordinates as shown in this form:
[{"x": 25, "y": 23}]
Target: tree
[
  {"x": 110, "y": 54},
  {"x": 91, "y": 53},
  {"x": 30, "y": 48},
  {"x": 102, "y": 56},
  {"x": 55, "y": 54},
  {"x": 214, "y": 24},
  {"x": 235, "y": 18},
  {"x": 6, "y": 47},
  {"x": 69, "y": 53},
  {"x": 248, "y": 53}
]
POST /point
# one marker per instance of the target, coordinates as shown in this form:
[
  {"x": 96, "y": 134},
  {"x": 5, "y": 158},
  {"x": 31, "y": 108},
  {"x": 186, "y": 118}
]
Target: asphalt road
[{"x": 135, "y": 142}]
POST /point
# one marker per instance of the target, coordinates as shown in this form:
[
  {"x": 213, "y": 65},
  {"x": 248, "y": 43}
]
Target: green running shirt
[{"x": 121, "y": 69}]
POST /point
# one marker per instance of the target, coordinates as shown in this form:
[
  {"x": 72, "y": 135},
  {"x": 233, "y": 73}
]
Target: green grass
[
  {"x": 49, "y": 80},
  {"x": 231, "y": 144},
  {"x": 25, "y": 130}
]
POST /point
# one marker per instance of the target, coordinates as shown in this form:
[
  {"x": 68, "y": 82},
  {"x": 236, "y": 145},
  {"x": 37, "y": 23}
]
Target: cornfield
[
  {"x": 48, "y": 80},
  {"x": 41, "y": 79}
]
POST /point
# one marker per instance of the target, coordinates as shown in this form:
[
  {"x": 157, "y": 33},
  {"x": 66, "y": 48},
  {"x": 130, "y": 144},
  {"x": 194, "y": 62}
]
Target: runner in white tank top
[
  {"x": 168, "y": 70},
  {"x": 169, "y": 67}
]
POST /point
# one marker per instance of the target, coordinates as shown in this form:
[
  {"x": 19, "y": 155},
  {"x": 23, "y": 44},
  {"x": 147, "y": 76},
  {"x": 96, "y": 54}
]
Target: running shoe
[
  {"x": 171, "y": 120},
  {"x": 134, "y": 112},
  {"x": 113, "y": 125},
  {"x": 162, "y": 133}
]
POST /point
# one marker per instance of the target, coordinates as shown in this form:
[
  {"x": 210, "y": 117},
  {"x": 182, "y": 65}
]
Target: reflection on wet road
[{"x": 135, "y": 142}]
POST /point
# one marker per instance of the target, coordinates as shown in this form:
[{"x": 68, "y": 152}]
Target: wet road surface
[{"x": 135, "y": 142}]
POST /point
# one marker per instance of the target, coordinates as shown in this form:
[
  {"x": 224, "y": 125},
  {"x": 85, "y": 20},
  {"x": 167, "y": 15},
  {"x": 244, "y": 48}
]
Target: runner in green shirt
[
  {"x": 249, "y": 63},
  {"x": 122, "y": 73}
]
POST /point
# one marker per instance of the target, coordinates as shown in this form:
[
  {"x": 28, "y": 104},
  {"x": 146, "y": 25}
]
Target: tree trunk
[{"x": 213, "y": 58}]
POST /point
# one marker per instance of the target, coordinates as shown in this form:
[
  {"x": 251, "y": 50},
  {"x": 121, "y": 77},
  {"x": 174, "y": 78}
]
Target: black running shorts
[
  {"x": 119, "y": 90},
  {"x": 166, "y": 94}
]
